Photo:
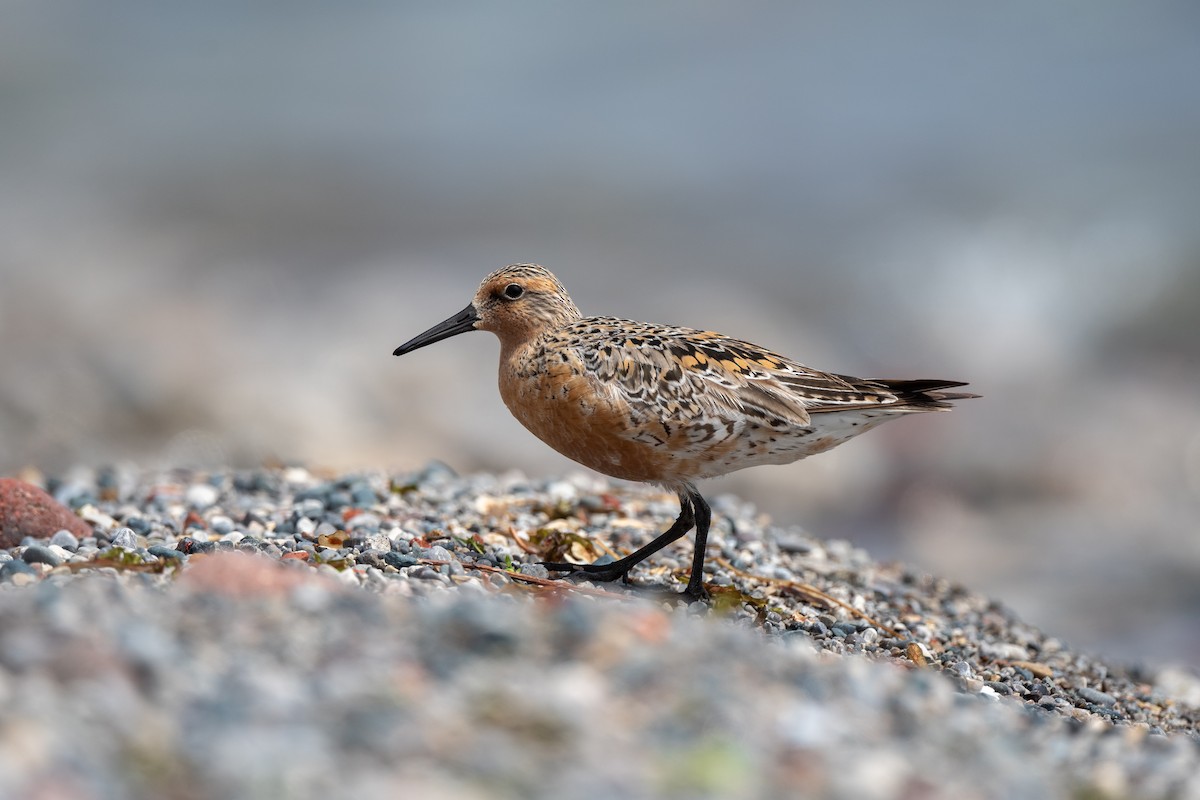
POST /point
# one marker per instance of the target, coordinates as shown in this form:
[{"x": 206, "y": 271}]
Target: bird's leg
[
  {"x": 620, "y": 568},
  {"x": 695, "y": 588}
]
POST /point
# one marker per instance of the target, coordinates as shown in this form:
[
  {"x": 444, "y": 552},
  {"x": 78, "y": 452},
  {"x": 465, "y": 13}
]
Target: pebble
[
  {"x": 437, "y": 553},
  {"x": 201, "y": 496},
  {"x": 139, "y": 525},
  {"x": 124, "y": 537},
  {"x": 311, "y": 507},
  {"x": 41, "y": 555},
  {"x": 454, "y": 680},
  {"x": 65, "y": 539},
  {"x": 162, "y": 551},
  {"x": 399, "y": 560},
  {"x": 1097, "y": 697},
  {"x": 14, "y": 567},
  {"x": 221, "y": 524}
]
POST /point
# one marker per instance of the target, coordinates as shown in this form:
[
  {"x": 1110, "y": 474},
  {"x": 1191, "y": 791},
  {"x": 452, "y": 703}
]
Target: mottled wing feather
[{"x": 672, "y": 373}]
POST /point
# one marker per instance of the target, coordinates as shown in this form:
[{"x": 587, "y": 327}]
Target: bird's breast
[{"x": 579, "y": 416}]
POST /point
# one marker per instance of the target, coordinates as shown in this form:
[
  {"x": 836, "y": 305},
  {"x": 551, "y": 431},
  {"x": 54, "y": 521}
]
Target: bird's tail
[{"x": 922, "y": 394}]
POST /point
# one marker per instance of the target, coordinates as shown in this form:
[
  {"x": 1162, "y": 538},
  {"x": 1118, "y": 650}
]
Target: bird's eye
[{"x": 513, "y": 291}]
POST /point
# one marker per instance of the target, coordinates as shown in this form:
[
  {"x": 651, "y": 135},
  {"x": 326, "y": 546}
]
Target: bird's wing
[{"x": 681, "y": 376}]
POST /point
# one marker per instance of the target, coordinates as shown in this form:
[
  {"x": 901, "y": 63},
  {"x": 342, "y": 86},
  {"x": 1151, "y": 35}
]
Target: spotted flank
[{"x": 663, "y": 404}]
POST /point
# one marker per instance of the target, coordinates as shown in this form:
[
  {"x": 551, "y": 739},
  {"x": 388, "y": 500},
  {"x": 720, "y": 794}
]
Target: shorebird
[{"x": 662, "y": 404}]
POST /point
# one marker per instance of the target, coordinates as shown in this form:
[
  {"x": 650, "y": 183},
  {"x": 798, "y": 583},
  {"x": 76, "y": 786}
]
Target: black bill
[{"x": 461, "y": 322}]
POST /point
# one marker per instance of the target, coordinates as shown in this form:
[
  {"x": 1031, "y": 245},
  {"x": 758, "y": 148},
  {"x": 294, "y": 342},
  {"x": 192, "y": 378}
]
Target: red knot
[{"x": 661, "y": 404}]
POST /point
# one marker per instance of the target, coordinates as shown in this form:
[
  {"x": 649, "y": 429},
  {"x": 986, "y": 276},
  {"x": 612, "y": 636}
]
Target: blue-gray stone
[
  {"x": 1096, "y": 696},
  {"x": 40, "y": 555},
  {"x": 311, "y": 507},
  {"x": 365, "y": 496},
  {"x": 139, "y": 525},
  {"x": 66, "y": 540},
  {"x": 13, "y": 567},
  {"x": 816, "y": 628},
  {"x": 170, "y": 553},
  {"x": 221, "y": 524},
  {"x": 841, "y": 629}
]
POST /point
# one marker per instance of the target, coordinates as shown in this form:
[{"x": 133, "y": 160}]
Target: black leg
[
  {"x": 695, "y": 588},
  {"x": 620, "y": 568}
]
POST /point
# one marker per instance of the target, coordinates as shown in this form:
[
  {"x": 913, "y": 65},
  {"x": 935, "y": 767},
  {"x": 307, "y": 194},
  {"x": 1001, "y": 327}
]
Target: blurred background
[{"x": 218, "y": 219}]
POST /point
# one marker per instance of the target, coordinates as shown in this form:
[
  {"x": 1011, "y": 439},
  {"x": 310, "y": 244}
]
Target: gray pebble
[
  {"x": 796, "y": 543},
  {"x": 1096, "y": 696},
  {"x": 162, "y": 551},
  {"x": 124, "y": 537},
  {"x": 364, "y": 497},
  {"x": 65, "y": 539},
  {"x": 364, "y": 523},
  {"x": 40, "y": 555},
  {"x": 399, "y": 560},
  {"x": 438, "y": 553},
  {"x": 817, "y": 628},
  {"x": 139, "y": 524},
  {"x": 15, "y": 567},
  {"x": 534, "y": 571},
  {"x": 372, "y": 541},
  {"x": 311, "y": 507},
  {"x": 841, "y": 629},
  {"x": 221, "y": 524}
]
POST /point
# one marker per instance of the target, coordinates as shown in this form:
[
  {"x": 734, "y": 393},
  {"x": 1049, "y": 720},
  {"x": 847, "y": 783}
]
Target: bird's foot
[
  {"x": 614, "y": 570},
  {"x": 696, "y": 593},
  {"x": 610, "y": 571}
]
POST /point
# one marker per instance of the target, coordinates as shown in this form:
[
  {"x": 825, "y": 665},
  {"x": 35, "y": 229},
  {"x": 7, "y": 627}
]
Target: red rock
[{"x": 25, "y": 510}]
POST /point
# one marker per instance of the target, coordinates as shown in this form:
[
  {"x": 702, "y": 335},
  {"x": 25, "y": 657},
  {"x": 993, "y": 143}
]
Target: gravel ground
[{"x": 279, "y": 633}]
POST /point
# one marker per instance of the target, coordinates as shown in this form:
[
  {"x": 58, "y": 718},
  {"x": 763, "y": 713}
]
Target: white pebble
[{"x": 202, "y": 495}]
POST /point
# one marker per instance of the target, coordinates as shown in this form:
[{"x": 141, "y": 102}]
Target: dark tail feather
[{"x": 923, "y": 393}]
